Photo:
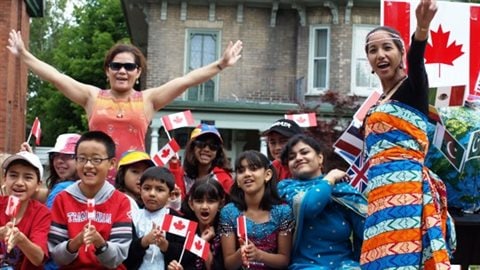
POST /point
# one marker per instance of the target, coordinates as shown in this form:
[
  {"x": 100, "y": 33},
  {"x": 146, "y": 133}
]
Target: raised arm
[
  {"x": 163, "y": 95},
  {"x": 424, "y": 12},
  {"x": 77, "y": 92}
]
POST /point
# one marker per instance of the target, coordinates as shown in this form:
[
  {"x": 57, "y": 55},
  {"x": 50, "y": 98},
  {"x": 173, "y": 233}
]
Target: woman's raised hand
[
  {"x": 15, "y": 43},
  {"x": 231, "y": 54}
]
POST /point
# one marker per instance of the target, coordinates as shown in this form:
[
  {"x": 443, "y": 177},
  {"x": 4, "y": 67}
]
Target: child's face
[
  {"x": 64, "y": 165},
  {"x": 132, "y": 177},
  {"x": 21, "y": 181},
  {"x": 154, "y": 194},
  {"x": 93, "y": 163},
  {"x": 252, "y": 179},
  {"x": 276, "y": 142},
  {"x": 205, "y": 209}
]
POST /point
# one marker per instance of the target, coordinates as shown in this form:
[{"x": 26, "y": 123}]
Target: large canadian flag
[{"x": 452, "y": 56}]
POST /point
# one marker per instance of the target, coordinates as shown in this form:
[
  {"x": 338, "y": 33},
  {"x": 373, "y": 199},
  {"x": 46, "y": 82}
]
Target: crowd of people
[{"x": 105, "y": 203}]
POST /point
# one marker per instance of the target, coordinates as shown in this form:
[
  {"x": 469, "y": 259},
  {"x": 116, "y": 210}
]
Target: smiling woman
[{"x": 121, "y": 111}]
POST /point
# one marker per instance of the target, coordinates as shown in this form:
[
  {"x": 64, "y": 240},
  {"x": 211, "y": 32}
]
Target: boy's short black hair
[
  {"x": 101, "y": 137},
  {"x": 161, "y": 174}
]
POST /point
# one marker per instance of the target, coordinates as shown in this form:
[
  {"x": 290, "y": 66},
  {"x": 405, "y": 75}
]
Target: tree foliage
[{"x": 75, "y": 46}]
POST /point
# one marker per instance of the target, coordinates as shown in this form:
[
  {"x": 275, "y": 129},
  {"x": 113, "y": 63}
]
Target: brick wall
[
  {"x": 274, "y": 58},
  {"x": 13, "y": 77}
]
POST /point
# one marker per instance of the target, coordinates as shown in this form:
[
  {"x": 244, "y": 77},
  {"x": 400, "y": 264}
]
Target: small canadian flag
[
  {"x": 36, "y": 130},
  {"x": 166, "y": 153},
  {"x": 303, "y": 119},
  {"x": 197, "y": 246},
  {"x": 178, "y": 120},
  {"x": 242, "y": 227},
  {"x": 359, "y": 116},
  {"x": 91, "y": 209},
  {"x": 179, "y": 226},
  {"x": 13, "y": 204}
]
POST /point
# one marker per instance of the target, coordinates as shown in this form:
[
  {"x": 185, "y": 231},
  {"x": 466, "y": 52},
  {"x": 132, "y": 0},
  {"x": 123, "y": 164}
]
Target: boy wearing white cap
[{"x": 27, "y": 225}]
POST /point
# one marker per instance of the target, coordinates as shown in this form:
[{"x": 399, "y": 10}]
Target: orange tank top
[{"x": 123, "y": 119}]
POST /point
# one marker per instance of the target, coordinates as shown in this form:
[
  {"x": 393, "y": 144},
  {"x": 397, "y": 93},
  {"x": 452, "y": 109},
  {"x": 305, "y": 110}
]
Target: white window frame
[
  {"x": 215, "y": 79},
  {"x": 311, "y": 90},
  {"x": 359, "y": 33}
]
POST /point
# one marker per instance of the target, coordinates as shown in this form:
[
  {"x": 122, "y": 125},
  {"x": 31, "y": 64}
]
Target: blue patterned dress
[{"x": 263, "y": 235}]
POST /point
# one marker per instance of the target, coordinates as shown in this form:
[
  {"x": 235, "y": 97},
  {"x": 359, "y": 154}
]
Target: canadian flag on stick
[
  {"x": 35, "y": 131},
  {"x": 179, "y": 226},
  {"x": 242, "y": 228},
  {"x": 13, "y": 204},
  {"x": 303, "y": 119},
  {"x": 91, "y": 209},
  {"x": 197, "y": 246},
  {"x": 166, "y": 153},
  {"x": 178, "y": 120}
]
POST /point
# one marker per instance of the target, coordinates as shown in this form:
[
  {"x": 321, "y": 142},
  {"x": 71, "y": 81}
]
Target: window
[
  {"x": 202, "y": 49},
  {"x": 363, "y": 81},
  {"x": 318, "y": 59}
]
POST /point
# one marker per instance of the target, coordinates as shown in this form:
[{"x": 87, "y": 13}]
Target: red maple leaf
[
  {"x": 178, "y": 119},
  {"x": 198, "y": 245},
  {"x": 165, "y": 153},
  {"x": 179, "y": 225},
  {"x": 301, "y": 119},
  {"x": 440, "y": 52}
]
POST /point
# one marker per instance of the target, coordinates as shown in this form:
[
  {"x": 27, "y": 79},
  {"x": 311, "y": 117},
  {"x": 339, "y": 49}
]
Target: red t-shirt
[
  {"x": 282, "y": 171},
  {"x": 35, "y": 225}
]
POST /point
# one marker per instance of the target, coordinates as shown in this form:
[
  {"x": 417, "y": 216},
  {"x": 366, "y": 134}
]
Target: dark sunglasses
[
  {"x": 202, "y": 144},
  {"x": 127, "y": 66}
]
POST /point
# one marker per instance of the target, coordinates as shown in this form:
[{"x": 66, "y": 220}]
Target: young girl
[
  {"x": 269, "y": 223},
  {"x": 204, "y": 159},
  {"x": 202, "y": 205},
  {"x": 130, "y": 168}
]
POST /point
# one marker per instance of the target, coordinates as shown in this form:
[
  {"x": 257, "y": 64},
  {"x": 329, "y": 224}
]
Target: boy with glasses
[{"x": 103, "y": 243}]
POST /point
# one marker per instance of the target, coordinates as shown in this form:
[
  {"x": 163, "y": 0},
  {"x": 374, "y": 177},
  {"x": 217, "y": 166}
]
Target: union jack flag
[{"x": 358, "y": 174}]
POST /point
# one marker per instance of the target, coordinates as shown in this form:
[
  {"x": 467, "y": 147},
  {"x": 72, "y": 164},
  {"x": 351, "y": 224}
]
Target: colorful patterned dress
[
  {"x": 263, "y": 235},
  {"x": 408, "y": 226}
]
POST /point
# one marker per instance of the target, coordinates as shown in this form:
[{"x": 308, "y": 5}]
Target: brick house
[
  {"x": 14, "y": 14},
  {"x": 293, "y": 52}
]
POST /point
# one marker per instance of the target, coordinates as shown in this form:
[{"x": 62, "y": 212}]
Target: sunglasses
[
  {"x": 202, "y": 144},
  {"x": 127, "y": 66}
]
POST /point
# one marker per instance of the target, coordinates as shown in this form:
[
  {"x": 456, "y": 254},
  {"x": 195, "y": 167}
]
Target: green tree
[{"x": 75, "y": 46}]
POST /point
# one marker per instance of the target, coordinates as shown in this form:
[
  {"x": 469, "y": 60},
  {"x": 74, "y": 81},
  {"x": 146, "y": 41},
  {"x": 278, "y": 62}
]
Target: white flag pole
[{"x": 183, "y": 249}]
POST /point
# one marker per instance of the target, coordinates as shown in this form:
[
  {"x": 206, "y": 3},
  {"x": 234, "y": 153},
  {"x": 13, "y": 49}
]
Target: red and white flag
[
  {"x": 242, "y": 227},
  {"x": 351, "y": 141},
  {"x": 197, "y": 246},
  {"x": 179, "y": 226},
  {"x": 178, "y": 120},
  {"x": 366, "y": 105},
  {"x": 91, "y": 209},
  {"x": 36, "y": 130},
  {"x": 447, "y": 96},
  {"x": 166, "y": 153},
  {"x": 303, "y": 119},
  {"x": 13, "y": 204},
  {"x": 452, "y": 55}
]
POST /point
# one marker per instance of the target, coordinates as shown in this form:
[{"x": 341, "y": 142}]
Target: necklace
[{"x": 388, "y": 94}]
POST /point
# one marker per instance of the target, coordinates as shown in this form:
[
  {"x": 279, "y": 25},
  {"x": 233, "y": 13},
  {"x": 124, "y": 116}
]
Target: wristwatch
[{"x": 101, "y": 249}]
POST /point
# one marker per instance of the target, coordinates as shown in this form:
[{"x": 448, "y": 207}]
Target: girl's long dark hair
[
  {"x": 190, "y": 165},
  {"x": 207, "y": 188},
  {"x": 256, "y": 160}
]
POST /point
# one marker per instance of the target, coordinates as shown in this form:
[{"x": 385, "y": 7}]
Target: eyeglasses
[
  {"x": 202, "y": 144},
  {"x": 94, "y": 161},
  {"x": 127, "y": 66},
  {"x": 62, "y": 156}
]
